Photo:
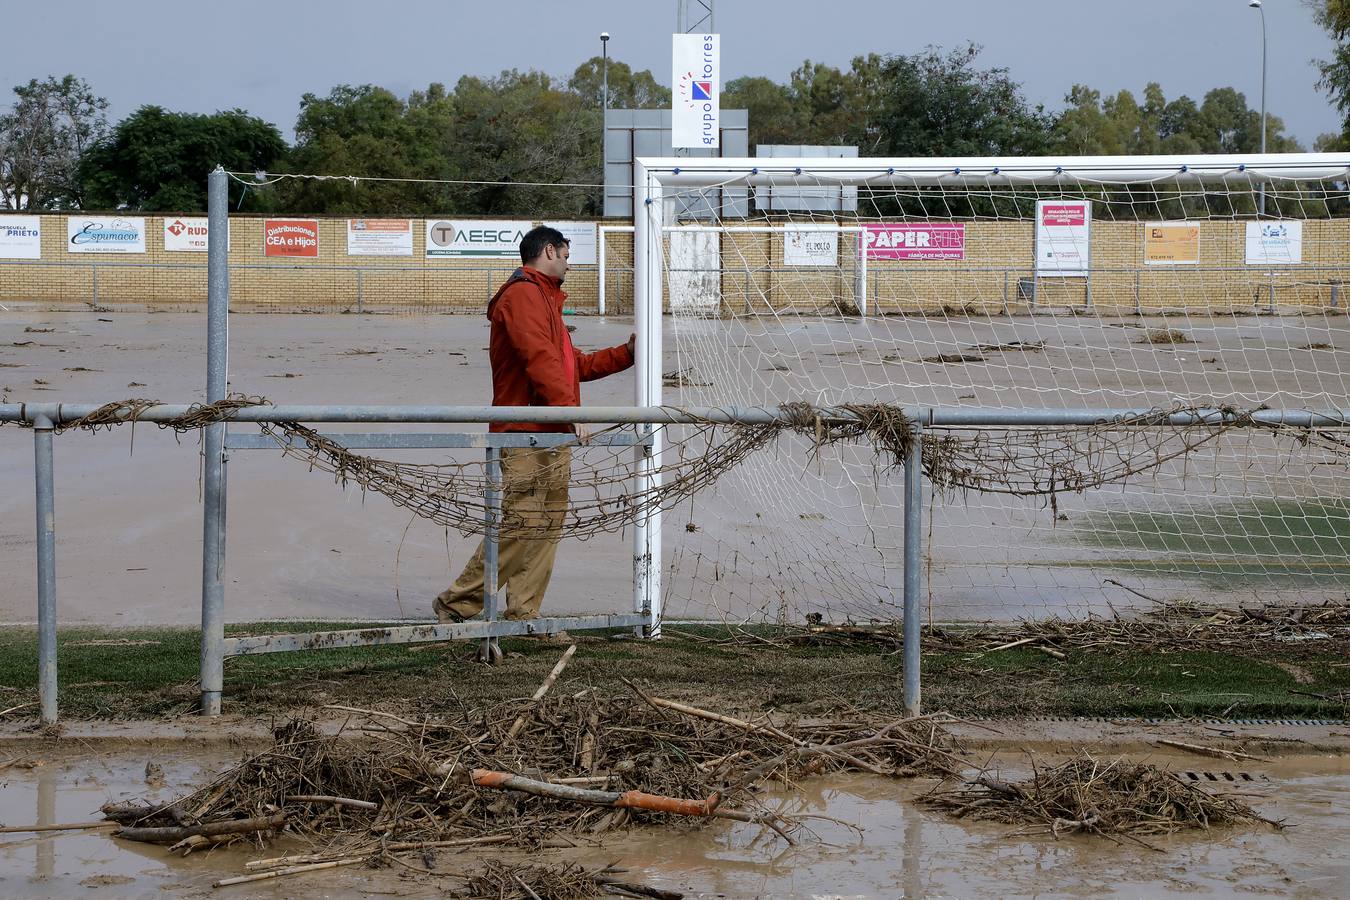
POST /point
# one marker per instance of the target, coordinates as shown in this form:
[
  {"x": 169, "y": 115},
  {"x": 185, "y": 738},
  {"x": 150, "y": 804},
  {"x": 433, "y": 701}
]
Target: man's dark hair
[{"x": 536, "y": 239}]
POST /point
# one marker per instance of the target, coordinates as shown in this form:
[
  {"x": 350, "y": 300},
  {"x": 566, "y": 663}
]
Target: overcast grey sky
[{"x": 263, "y": 55}]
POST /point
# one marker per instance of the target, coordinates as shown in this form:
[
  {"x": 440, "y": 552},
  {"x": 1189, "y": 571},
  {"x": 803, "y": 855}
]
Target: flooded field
[{"x": 883, "y": 845}]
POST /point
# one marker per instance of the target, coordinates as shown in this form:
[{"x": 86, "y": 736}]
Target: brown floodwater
[{"x": 901, "y": 850}]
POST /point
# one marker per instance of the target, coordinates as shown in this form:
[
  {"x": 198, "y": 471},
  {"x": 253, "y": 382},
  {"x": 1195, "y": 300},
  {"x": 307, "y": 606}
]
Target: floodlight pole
[
  {"x": 1256, "y": 4},
  {"x": 604, "y": 117}
]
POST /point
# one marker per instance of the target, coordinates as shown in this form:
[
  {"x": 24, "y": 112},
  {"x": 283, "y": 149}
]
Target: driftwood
[
  {"x": 175, "y": 833},
  {"x": 519, "y": 723},
  {"x": 507, "y": 781},
  {"x": 292, "y": 870},
  {"x": 72, "y": 826}
]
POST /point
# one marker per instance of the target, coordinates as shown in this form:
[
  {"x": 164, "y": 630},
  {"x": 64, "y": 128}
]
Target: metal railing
[{"x": 215, "y": 647}]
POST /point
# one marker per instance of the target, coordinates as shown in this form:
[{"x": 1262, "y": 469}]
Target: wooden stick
[
  {"x": 507, "y": 781},
  {"x": 336, "y": 801},
  {"x": 72, "y": 826},
  {"x": 292, "y": 870},
  {"x": 1211, "y": 751},
  {"x": 374, "y": 712},
  {"x": 519, "y": 723},
  {"x": 175, "y": 833},
  {"x": 275, "y": 861},
  {"x": 1012, "y": 644}
]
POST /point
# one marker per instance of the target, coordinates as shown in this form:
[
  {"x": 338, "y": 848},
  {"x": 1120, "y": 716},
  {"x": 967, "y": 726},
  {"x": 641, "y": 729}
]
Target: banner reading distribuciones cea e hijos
[
  {"x": 1063, "y": 236},
  {"x": 20, "y": 237},
  {"x": 105, "y": 234},
  {"x": 695, "y": 104}
]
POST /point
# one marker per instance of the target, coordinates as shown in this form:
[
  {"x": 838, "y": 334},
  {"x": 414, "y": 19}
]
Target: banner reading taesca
[{"x": 475, "y": 237}]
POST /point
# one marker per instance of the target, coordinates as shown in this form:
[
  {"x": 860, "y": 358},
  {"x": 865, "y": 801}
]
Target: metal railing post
[
  {"x": 1138, "y": 300},
  {"x": 492, "y": 518},
  {"x": 94, "y": 268},
  {"x": 600, "y": 289},
  {"x": 913, "y": 563},
  {"x": 44, "y": 472},
  {"x": 360, "y": 285},
  {"x": 213, "y": 476}
]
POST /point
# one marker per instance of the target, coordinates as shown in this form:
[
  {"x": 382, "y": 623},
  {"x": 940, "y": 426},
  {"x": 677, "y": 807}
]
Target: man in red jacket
[{"x": 533, "y": 364}]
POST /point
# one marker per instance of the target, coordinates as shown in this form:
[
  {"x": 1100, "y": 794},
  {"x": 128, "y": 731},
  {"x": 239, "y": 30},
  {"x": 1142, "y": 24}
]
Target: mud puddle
[{"x": 902, "y": 851}]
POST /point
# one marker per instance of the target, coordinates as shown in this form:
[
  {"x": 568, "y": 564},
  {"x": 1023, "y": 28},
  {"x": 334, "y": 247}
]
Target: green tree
[
  {"x": 775, "y": 118},
  {"x": 368, "y": 131},
  {"x": 627, "y": 89},
  {"x": 1334, "y": 17},
  {"x": 158, "y": 161},
  {"x": 42, "y": 139},
  {"x": 936, "y": 104}
]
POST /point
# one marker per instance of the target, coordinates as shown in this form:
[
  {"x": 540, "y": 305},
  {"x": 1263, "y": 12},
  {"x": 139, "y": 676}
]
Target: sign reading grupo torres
[
  {"x": 291, "y": 237},
  {"x": 464, "y": 237},
  {"x": 695, "y": 105},
  {"x": 20, "y": 237},
  {"x": 105, "y": 234},
  {"x": 916, "y": 240}
]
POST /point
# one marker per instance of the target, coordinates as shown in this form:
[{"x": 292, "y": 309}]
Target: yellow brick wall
[{"x": 754, "y": 277}]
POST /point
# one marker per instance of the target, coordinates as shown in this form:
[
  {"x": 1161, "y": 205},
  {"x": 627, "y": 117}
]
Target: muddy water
[{"x": 902, "y": 851}]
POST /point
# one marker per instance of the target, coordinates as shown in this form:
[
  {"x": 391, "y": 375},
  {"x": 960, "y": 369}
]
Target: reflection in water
[
  {"x": 46, "y": 815},
  {"x": 913, "y": 854}
]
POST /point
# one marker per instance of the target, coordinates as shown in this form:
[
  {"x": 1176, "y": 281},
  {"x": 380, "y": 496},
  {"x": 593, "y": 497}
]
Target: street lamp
[
  {"x": 1256, "y": 5},
  {"x": 604, "y": 126}
]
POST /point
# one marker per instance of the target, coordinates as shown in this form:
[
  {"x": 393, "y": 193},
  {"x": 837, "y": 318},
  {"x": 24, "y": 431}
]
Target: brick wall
[{"x": 996, "y": 275}]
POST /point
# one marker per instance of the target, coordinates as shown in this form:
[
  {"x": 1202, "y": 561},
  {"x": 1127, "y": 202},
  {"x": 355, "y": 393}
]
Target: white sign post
[
  {"x": 20, "y": 237},
  {"x": 1274, "y": 243},
  {"x": 1063, "y": 237},
  {"x": 696, "y": 74}
]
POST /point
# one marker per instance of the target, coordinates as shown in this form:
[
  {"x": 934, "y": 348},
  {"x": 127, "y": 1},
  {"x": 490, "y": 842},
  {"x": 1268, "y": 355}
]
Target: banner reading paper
[
  {"x": 1274, "y": 243},
  {"x": 810, "y": 248},
  {"x": 1171, "y": 244},
  {"x": 695, "y": 104},
  {"x": 379, "y": 237},
  {"x": 468, "y": 237},
  {"x": 184, "y": 235},
  {"x": 916, "y": 240},
  {"x": 581, "y": 241},
  {"x": 1063, "y": 236},
  {"x": 291, "y": 237},
  {"x": 20, "y": 237},
  {"x": 105, "y": 234}
]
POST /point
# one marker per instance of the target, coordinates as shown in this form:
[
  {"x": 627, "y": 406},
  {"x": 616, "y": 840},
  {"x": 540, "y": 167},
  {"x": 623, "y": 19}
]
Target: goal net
[{"x": 1008, "y": 286}]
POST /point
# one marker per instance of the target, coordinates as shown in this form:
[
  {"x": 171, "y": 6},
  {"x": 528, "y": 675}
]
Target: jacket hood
[{"x": 524, "y": 273}]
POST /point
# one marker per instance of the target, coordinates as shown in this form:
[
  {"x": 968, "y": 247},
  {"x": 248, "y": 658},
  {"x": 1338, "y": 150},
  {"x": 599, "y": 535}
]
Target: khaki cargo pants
[{"x": 534, "y": 484}]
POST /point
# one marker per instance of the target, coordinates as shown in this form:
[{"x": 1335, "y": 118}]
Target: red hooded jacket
[{"x": 533, "y": 360}]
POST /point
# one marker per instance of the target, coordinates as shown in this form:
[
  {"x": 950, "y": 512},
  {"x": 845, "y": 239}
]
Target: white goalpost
[{"x": 1002, "y": 285}]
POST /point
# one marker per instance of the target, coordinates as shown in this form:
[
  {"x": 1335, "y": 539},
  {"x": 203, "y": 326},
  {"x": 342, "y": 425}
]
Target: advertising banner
[
  {"x": 916, "y": 240},
  {"x": 105, "y": 234},
  {"x": 379, "y": 237},
  {"x": 810, "y": 248},
  {"x": 20, "y": 237},
  {"x": 468, "y": 237},
  {"x": 291, "y": 237},
  {"x": 1063, "y": 237},
  {"x": 184, "y": 235},
  {"x": 1171, "y": 244},
  {"x": 1274, "y": 243},
  {"x": 695, "y": 104},
  {"x": 582, "y": 241}
]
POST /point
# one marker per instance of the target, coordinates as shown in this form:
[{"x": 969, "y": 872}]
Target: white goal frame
[{"x": 653, "y": 217}]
